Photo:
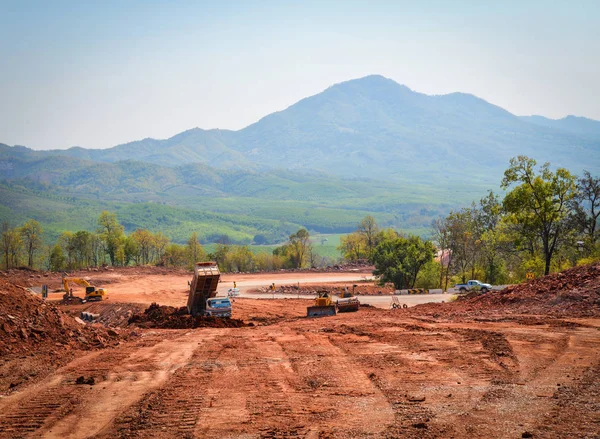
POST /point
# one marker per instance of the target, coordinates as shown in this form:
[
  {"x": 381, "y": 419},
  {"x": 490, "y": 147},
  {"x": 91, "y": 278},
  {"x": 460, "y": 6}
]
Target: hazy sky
[{"x": 99, "y": 73}]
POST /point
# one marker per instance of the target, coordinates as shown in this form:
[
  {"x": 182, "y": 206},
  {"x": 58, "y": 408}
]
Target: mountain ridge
[{"x": 373, "y": 127}]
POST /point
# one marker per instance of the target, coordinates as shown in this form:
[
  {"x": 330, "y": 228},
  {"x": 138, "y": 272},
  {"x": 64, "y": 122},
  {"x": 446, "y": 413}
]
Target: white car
[{"x": 233, "y": 292}]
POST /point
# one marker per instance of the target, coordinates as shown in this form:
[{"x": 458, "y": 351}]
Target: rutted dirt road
[{"x": 371, "y": 374}]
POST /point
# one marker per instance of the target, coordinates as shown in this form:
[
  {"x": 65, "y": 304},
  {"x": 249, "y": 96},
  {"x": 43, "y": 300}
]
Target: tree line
[
  {"x": 110, "y": 245},
  {"x": 547, "y": 221}
]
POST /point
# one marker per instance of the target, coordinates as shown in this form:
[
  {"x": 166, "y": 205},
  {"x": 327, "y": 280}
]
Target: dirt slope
[
  {"x": 571, "y": 293},
  {"x": 36, "y": 336}
]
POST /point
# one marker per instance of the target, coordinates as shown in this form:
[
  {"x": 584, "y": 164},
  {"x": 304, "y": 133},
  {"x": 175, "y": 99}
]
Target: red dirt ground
[{"x": 519, "y": 363}]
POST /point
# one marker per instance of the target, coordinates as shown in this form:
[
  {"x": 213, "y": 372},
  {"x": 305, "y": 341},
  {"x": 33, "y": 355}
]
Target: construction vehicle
[
  {"x": 91, "y": 292},
  {"x": 203, "y": 287},
  {"x": 347, "y": 301},
  {"x": 218, "y": 307},
  {"x": 323, "y": 306}
]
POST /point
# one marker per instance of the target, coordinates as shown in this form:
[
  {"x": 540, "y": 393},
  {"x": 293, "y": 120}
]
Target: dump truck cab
[{"x": 218, "y": 307}]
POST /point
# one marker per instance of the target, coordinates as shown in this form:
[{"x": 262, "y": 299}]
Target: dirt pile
[
  {"x": 571, "y": 292},
  {"x": 27, "y": 323},
  {"x": 36, "y": 337},
  {"x": 574, "y": 293},
  {"x": 169, "y": 317}
]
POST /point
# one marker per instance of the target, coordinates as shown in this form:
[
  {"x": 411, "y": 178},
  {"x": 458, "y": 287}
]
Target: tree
[
  {"x": 221, "y": 256},
  {"x": 31, "y": 232},
  {"x": 175, "y": 255},
  {"x": 112, "y": 234},
  {"x": 586, "y": 207},
  {"x": 195, "y": 251},
  {"x": 144, "y": 242},
  {"x": 369, "y": 229},
  {"x": 242, "y": 259},
  {"x": 538, "y": 204},
  {"x": 490, "y": 230},
  {"x": 57, "y": 259},
  {"x": 353, "y": 246},
  {"x": 82, "y": 248},
  {"x": 299, "y": 246},
  {"x": 441, "y": 236},
  {"x": 464, "y": 241},
  {"x": 399, "y": 260},
  {"x": 11, "y": 245},
  {"x": 131, "y": 250},
  {"x": 160, "y": 242}
]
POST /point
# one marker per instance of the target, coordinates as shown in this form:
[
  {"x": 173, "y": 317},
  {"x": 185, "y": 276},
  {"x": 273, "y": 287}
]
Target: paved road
[{"x": 383, "y": 301}]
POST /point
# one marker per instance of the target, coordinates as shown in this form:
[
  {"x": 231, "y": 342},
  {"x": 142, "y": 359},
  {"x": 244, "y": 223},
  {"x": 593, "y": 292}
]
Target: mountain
[
  {"x": 363, "y": 146},
  {"x": 373, "y": 127},
  {"x": 581, "y": 126}
]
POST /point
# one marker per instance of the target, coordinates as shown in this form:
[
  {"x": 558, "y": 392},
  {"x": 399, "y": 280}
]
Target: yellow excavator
[{"x": 91, "y": 292}]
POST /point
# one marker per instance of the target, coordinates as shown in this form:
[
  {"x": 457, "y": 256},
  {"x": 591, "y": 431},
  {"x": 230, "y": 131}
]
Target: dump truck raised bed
[{"x": 202, "y": 287}]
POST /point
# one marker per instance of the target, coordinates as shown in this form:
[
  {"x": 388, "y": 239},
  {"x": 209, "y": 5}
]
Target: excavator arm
[
  {"x": 75, "y": 280},
  {"x": 91, "y": 292}
]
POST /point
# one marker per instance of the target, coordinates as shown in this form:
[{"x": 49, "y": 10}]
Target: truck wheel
[
  {"x": 484, "y": 290},
  {"x": 462, "y": 290}
]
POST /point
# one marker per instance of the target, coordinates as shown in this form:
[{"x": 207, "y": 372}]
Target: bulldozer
[
  {"x": 323, "y": 306},
  {"x": 91, "y": 292}
]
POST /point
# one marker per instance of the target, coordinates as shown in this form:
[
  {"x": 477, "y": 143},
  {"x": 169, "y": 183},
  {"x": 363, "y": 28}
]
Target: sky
[{"x": 100, "y": 73}]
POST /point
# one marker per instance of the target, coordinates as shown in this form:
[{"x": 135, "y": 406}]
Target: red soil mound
[
  {"x": 574, "y": 293},
  {"x": 36, "y": 337},
  {"x": 168, "y": 317}
]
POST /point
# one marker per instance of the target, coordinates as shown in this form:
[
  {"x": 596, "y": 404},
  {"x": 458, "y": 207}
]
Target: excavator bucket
[{"x": 320, "y": 311}]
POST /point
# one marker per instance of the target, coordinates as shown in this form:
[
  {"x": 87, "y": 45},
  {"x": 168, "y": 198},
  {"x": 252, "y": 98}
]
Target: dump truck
[
  {"x": 203, "y": 287},
  {"x": 323, "y": 306}
]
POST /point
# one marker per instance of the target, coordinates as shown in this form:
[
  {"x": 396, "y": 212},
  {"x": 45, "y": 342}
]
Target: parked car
[
  {"x": 473, "y": 285},
  {"x": 233, "y": 292}
]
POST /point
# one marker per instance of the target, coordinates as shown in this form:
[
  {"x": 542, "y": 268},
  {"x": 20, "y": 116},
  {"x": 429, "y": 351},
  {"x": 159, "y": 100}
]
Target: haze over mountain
[
  {"x": 581, "y": 126},
  {"x": 366, "y": 146},
  {"x": 373, "y": 127}
]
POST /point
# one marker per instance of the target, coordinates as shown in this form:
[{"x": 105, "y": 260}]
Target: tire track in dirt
[
  {"x": 60, "y": 408},
  {"x": 173, "y": 409},
  {"x": 337, "y": 389}
]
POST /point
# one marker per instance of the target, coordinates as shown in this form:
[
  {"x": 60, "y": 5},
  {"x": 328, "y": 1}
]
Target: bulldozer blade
[{"x": 320, "y": 311}]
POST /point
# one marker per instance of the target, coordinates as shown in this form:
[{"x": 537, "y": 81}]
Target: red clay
[{"x": 487, "y": 367}]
